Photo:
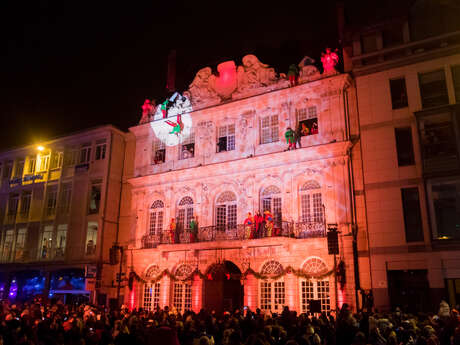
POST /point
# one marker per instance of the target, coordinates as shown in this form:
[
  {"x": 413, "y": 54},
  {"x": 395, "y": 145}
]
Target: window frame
[
  {"x": 229, "y": 133},
  {"x": 272, "y": 127},
  {"x": 403, "y": 102},
  {"x": 424, "y": 101},
  {"x": 401, "y": 146}
]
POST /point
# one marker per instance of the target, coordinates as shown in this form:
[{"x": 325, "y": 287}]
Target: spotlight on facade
[{"x": 40, "y": 148}]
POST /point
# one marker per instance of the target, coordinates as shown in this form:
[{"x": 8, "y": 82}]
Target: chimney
[{"x": 171, "y": 77}]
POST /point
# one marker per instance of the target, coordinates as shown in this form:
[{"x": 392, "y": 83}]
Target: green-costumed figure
[
  {"x": 193, "y": 230},
  {"x": 290, "y": 138}
]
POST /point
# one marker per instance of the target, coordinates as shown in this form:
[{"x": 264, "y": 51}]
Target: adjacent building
[
  {"x": 407, "y": 73},
  {"x": 59, "y": 206}
]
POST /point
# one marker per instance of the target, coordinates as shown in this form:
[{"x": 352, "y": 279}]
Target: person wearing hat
[{"x": 249, "y": 226}]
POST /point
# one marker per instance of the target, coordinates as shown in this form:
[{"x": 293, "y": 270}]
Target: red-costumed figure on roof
[
  {"x": 329, "y": 59},
  {"x": 293, "y": 74}
]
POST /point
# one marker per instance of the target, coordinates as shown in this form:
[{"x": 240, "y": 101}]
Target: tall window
[
  {"x": 7, "y": 170},
  {"x": 184, "y": 213},
  {"x": 445, "y": 209},
  {"x": 57, "y": 159},
  {"x": 156, "y": 218},
  {"x": 398, "y": 93},
  {"x": 226, "y": 140},
  {"x": 151, "y": 299},
  {"x": 315, "y": 289},
  {"x": 51, "y": 200},
  {"x": 31, "y": 165},
  {"x": 100, "y": 149},
  {"x": 437, "y": 136},
  {"x": 456, "y": 78},
  {"x": 187, "y": 148},
  {"x": 71, "y": 157},
  {"x": 91, "y": 238},
  {"x": 8, "y": 245},
  {"x": 271, "y": 200},
  {"x": 412, "y": 214},
  {"x": 158, "y": 151},
  {"x": 19, "y": 168},
  {"x": 182, "y": 293},
  {"x": 94, "y": 198},
  {"x": 307, "y": 121},
  {"x": 43, "y": 162},
  {"x": 272, "y": 292},
  {"x": 226, "y": 211},
  {"x": 20, "y": 244},
  {"x": 269, "y": 129},
  {"x": 65, "y": 198},
  {"x": 404, "y": 147},
  {"x": 13, "y": 202},
  {"x": 46, "y": 242},
  {"x": 433, "y": 89},
  {"x": 85, "y": 154},
  {"x": 61, "y": 240},
  {"x": 311, "y": 203},
  {"x": 26, "y": 196}
]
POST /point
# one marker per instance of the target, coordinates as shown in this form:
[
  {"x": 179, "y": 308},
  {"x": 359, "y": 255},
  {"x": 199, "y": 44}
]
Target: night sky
[{"x": 70, "y": 65}]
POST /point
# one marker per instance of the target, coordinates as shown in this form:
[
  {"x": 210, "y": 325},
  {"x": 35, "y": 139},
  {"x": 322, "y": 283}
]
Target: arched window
[
  {"x": 184, "y": 213},
  {"x": 315, "y": 288},
  {"x": 156, "y": 218},
  {"x": 182, "y": 289},
  {"x": 311, "y": 203},
  {"x": 226, "y": 211},
  {"x": 270, "y": 199},
  {"x": 151, "y": 297},
  {"x": 272, "y": 292}
]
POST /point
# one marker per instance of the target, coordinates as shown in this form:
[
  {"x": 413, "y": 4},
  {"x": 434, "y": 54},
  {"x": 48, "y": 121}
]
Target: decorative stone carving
[
  {"x": 314, "y": 266},
  {"x": 202, "y": 89},
  {"x": 252, "y": 77},
  {"x": 183, "y": 271},
  {"x": 308, "y": 70},
  {"x": 272, "y": 268},
  {"x": 152, "y": 271}
]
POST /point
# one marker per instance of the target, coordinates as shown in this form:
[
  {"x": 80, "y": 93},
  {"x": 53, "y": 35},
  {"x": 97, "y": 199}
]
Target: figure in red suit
[{"x": 259, "y": 223}]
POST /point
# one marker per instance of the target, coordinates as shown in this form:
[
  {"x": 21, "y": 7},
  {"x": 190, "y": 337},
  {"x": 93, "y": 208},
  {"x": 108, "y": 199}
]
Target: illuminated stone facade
[{"x": 238, "y": 162}]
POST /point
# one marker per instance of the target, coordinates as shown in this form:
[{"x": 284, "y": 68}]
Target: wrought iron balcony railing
[{"x": 235, "y": 232}]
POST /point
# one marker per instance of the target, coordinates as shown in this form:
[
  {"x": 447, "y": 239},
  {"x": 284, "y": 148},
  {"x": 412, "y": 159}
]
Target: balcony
[{"x": 235, "y": 233}]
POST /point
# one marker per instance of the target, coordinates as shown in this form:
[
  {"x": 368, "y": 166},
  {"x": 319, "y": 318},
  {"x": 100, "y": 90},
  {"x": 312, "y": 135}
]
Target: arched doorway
[{"x": 223, "y": 290}]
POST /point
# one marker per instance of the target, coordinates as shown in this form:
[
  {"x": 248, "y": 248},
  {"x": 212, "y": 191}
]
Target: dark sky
[{"x": 69, "y": 65}]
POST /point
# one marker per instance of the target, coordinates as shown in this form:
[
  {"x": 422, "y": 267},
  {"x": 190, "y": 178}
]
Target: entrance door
[
  {"x": 223, "y": 290},
  {"x": 409, "y": 290}
]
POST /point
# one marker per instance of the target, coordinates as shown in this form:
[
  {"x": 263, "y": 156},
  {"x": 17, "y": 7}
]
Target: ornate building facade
[{"x": 185, "y": 211}]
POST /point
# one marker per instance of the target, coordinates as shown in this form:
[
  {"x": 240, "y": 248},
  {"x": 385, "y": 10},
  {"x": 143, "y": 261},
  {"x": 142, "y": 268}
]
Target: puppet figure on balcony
[
  {"x": 293, "y": 74},
  {"x": 172, "y": 230},
  {"x": 259, "y": 225},
  {"x": 164, "y": 108},
  {"x": 290, "y": 138},
  {"x": 249, "y": 226},
  {"x": 193, "y": 230},
  {"x": 269, "y": 223}
]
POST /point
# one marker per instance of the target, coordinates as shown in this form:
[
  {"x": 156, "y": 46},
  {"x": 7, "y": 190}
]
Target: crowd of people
[{"x": 38, "y": 323}]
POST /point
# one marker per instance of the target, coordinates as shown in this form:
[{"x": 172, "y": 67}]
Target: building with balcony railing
[
  {"x": 407, "y": 72},
  {"x": 58, "y": 206},
  {"x": 197, "y": 166}
]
